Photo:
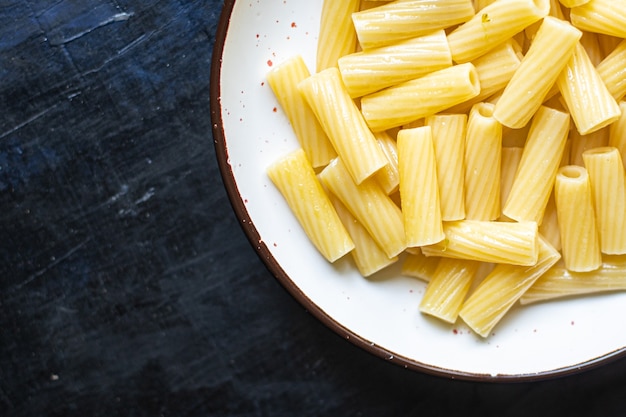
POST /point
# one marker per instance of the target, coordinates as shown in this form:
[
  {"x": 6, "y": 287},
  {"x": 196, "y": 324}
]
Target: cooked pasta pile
[{"x": 480, "y": 143}]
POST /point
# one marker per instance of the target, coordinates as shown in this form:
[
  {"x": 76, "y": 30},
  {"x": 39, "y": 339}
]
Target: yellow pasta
[
  {"x": 284, "y": 79},
  {"x": 337, "y": 36},
  {"x": 448, "y": 133},
  {"x": 447, "y": 288},
  {"x": 540, "y": 161},
  {"x": 295, "y": 179},
  {"x": 375, "y": 69},
  {"x": 590, "y": 103},
  {"x": 369, "y": 204},
  {"x": 612, "y": 70},
  {"x": 511, "y": 157},
  {"x": 558, "y": 282},
  {"x": 399, "y": 20},
  {"x": 419, "y": 191},
  {"x": 368, "y": 257},
  {"x": 419, "y": 266},
  {"x": 601, "y": 16},
  {"x": 343, "y": 123},
  {"x": 483, "y": 148},
  {"x": 502, "y": 288},
  {"x": 606, "y": 174},
  {"x": 412, "y": 100},
  {"x": 493, "y": 25},
  {"x": 539, "y": 69},
  {"x": 487, "y": 241},
  {"x": 388, "y": 177},
  {"x": 617, "y": 133},
  {"x": 577, "y": 222}
]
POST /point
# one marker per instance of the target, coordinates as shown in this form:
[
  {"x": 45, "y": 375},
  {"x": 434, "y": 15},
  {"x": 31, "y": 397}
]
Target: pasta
[
  {"x": 337, "y": 36},
  {"x": 400, "y": 20},
  {"x": 295, "y": 178},
  {"x": 539, "y": 69},
  {"x": 419, "y": 98},
  {"x": 419, "y": 191},
  {"x": 576, "y": 217},
  {"x": 540, "y": 161},
  {"x": 612, "y": 70},
  {"x": 483, "y": 149},
  {"x": 487, "y": 241},
  {"x": 494, "y": 24},
  {"x": 448, "y": 135},
  {"x": 590, "y": 103},
  {"x": 343, "y": 123},
  {"x": 369, "y": 204},
  {"x": 601, "y": 16}
]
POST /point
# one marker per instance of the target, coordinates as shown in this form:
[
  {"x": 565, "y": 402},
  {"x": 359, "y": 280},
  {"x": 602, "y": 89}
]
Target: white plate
[{"x": 379, "y": 314}]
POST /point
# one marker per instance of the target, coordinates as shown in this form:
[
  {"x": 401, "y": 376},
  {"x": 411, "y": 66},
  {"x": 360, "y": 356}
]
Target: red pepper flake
[
  {"x": 269, "y": 63},
  {"x": 293, "y": 25},
  {"x": 262, "y": 83},
  {"x": 573, "y": 322},
  {"x": 275, "y": 245},
  {"x": 274, "y": 109},
  {"x": 258, "y": 36},
  {"x": 455, "y": 331}
]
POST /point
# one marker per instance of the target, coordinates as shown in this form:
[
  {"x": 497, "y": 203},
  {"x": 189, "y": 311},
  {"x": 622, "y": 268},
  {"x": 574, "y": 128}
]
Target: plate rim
[{"x": 263, "y": 252}]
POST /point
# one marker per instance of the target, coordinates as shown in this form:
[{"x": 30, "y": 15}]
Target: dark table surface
[{"x": 127, "y": 287}]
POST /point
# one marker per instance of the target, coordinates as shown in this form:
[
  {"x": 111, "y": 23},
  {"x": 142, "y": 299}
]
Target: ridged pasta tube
[
  {"x": 283, "y": 80},
  {"x": 487, "y": 241},
  {"x": 294, "y": 177},
  {"x": 343, "y": 123},
  {"x": 617, "y": 133},
  {"x": 606, "y": 174},
  {"x": 399, "y": 20},
  {"x": 375, "y": 69},
  {"x": 577, "y": 221},
  {"x": 601, "y": 16},
  {"x": 419, "y": 191},
  {"x": 612, "y": 70},
  {"x": 541, "y": 159},
  {"x": 547, "y": 56},
  {"x": 483, "y": 156},
  {"x": 412, "y": 100},
  {"x": 588, "y": 100},
  {"x": 447, "y": 288}
]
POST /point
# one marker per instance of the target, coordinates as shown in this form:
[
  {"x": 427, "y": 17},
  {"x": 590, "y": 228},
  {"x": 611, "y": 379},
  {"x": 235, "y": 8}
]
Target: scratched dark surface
[{"x": 127, "y": 287}]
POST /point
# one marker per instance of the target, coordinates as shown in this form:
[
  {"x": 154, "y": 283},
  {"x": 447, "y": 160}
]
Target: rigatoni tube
[
  {"x": 412, "y": 100},
  {"x": 398, "y": 20},
  {"x": 541, "y": 158},
  {"x": 601, "y": 16},
  {"x": 343, "y": 123},
  {"x": 487, "y": 241},
  {"x": 577, "y": 222},
  {"x": 606, "y": 174},
  {"x": 447, "y": 288},
  {"x": 506, "y": 284},
  {"x": 419, "y": 191},
  {"x": 493, "y": 25},
  {"x": 547, "y": 56},
  {"x": 295, "y": 179}
]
